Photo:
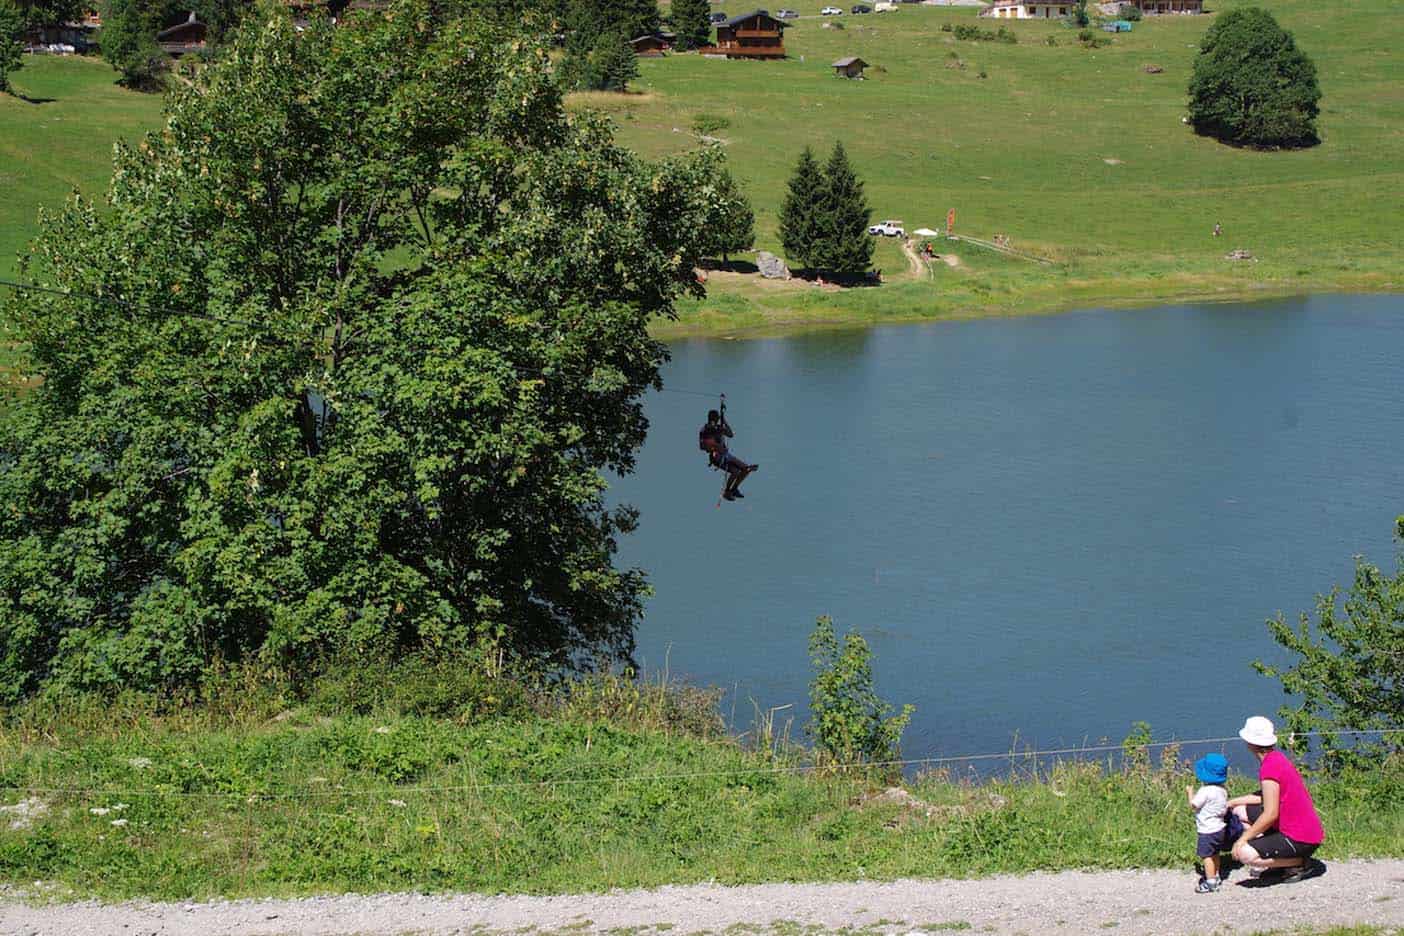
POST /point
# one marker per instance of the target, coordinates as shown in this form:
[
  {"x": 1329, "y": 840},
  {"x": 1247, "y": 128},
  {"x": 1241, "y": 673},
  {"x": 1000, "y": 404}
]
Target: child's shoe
[{"x": 1206, "y": 886}]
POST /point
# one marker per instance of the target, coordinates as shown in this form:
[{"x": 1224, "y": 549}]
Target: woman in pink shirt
[{"x": 1283, "y": 830}]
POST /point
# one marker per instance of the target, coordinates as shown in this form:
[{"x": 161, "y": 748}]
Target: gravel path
[{"x": 1131, "y": 902}]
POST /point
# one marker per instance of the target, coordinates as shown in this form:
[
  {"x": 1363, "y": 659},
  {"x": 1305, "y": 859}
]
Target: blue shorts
[
  {"x": 1212, "y": 843},
  {"x": 728, "y": 462}
]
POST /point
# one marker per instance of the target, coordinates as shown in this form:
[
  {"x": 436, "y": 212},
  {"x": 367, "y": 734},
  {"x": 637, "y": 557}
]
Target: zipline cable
[{"x": 646, "y": 778}]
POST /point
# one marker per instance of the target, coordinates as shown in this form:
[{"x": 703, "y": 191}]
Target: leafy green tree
[
  {"x": 378, "y": 332},
  {"x": 1251, "y": 85},
  {"x": 1079, "y": 15},
  {"x": 41, "y": 13},
  {"x": 798, "y": 222},
  {"x": 128, "y": 39},
  {"x": 12, "y": 28},
  {"x": 729, "y": 226},
  {"x": 843, "y": 244},
  {"x": 849, "y": 723},
  {"x": 692, "y": 23},
  {"x": 1347, "y": 672}
]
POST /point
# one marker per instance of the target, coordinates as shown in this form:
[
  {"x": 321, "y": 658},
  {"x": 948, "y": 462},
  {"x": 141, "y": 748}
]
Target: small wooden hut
[
  {"x": 183, "y": 38},
  {"x": 850, "y": 67}
]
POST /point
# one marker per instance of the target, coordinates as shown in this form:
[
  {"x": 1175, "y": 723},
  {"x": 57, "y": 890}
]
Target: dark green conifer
[
  {"x": 842, "y": 245},
  {"x": 691, "y": 23},
  {"x": 798, "y": 230}
]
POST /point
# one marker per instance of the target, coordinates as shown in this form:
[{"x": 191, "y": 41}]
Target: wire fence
[{"x": 1015, "y": 756}]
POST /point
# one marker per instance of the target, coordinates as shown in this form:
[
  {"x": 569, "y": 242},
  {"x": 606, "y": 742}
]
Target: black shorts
[{"x": 1277, "y": 845}]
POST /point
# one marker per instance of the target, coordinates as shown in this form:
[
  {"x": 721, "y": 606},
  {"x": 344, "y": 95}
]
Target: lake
[{"x": 1046, "y": 528}]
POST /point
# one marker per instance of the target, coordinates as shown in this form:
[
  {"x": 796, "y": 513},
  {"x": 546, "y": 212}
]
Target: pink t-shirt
[{"x": 1296, "y": 817}]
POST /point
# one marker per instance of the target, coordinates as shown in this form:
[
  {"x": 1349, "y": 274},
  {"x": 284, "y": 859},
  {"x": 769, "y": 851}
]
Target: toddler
[{"x": 1210, "y": 805}]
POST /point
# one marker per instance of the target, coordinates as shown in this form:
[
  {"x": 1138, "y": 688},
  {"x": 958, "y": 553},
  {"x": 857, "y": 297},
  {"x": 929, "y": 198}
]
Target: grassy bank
[{"x": 611, "y": 786}]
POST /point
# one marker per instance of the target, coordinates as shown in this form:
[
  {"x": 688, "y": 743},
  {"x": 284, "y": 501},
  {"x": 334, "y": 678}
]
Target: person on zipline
[{"x": 711, "y": 438}]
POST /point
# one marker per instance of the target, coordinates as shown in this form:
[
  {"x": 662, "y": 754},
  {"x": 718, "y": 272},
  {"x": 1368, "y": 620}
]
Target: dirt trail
[
  {"x": 1131, "y": 902},
  {"x": 918, "y": 269}
]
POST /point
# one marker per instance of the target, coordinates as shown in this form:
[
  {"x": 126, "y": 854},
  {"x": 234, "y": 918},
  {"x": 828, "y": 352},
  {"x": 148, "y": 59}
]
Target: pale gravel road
[{"x": 1128, "y": 902}]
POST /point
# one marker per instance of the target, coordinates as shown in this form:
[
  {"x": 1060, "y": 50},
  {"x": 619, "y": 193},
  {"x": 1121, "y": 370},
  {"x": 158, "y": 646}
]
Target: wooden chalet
[
  {"x": 1028, "y": 9},
  {"x": 1154, "y": 7},
  {"x": 755, "y": 35},
  {"x": 651, "y": 46},
  {"x": 183, "y": 38}
]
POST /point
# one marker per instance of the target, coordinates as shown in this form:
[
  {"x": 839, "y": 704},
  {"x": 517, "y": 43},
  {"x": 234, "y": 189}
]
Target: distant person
[
  {"x": 1218, "y": 229},
  {"x": 1283, "y": 829},
  {"x": 1211, "y": 820},
  {"x": 711, "y": 438}
]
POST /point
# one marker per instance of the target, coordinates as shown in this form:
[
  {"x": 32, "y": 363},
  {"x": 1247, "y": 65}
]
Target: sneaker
[
  {"x": 1206, "y": 886},
  {"x": 737, "y": 494},
  {"x": 729, "y": 496},
  {"x": 1311, "y": 869}
]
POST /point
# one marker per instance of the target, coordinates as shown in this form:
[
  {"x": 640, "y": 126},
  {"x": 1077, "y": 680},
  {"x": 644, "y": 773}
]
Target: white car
[
  {"x": 831, "y": 11},
  {"x": 887, "y": 229}
]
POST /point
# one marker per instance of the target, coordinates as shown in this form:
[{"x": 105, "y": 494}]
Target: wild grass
[{"x": 253, "y": 790}]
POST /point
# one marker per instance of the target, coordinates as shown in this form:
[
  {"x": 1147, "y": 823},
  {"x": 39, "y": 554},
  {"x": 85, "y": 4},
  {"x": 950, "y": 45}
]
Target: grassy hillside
[
  {"x": 615, "y": 787},
  {"x": 1076, "y": 154},
  {"x": 60, "y": 139}
]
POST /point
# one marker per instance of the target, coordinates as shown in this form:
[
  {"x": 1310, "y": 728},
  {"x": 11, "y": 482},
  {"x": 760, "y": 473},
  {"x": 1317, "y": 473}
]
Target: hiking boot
[
  {"x": 729, "y": 496},
  {"x": 1206, "y": 886},
  {"x": 1311, "y": 869},
  {"x": 737, "y": 494}
]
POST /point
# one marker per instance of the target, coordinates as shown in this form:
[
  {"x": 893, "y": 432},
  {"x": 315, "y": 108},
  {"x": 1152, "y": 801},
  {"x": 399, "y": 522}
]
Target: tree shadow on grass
[
  {"x": 733, "y": 266},
  {"x": 844, "y": 280}
]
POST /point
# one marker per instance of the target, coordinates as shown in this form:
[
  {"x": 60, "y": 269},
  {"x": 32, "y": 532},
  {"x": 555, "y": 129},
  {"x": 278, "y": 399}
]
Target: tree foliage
[
  {"x": 798, "y": 223},
  {"x": 12, "y": 27},
  {"x": 691, "y": 20},
  {"x": 379, "y": 329},
  {"x": 128, "y": 39},
  {"x": 1251, "y": 85},
  {"x": 729, "y": 225},
  {"x": 824, "y": 216},
  {"x": 1347, "y": 672},
  {"x": 849, "y": 723}
]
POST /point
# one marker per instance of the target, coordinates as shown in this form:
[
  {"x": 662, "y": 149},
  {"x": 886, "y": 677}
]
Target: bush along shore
[{"x": 436, "y": 777}]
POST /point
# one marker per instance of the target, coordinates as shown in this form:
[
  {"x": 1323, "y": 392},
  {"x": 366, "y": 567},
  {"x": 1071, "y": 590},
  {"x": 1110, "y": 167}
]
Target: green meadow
[{"x": 1076, "y": 154}]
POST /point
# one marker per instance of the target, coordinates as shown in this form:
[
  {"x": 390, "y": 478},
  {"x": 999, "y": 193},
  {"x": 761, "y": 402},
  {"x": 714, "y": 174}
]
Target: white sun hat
[{"x": 1258, "y": 730}]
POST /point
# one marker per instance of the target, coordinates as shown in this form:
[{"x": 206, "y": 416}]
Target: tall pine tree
[
  {"x": 798, "y": 229},
  {"x": 842, "y": 244},
  {"x": 691, "y": 23}
]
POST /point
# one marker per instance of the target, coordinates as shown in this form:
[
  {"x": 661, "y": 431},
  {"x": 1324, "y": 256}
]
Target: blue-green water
[{"x": 1046, "y": 527}]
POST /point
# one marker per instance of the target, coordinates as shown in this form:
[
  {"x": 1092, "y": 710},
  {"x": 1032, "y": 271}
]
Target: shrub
[
  {"x": 1251, "y": 85},
  {"x": 707, "y": 124},
  {"x": 1050, "y": 41},
  {"x": 850, "y": 724},
  {"x": 1348, "y": 672},
  {"x": 947, "y": 27},
  {"x": 1132, "y": 14},
  {"x": 1079, "y": 16}
]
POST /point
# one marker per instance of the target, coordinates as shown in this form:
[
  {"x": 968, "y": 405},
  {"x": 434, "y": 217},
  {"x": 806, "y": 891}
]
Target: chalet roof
[
  {"x": 850, "y": 60},
  {"x": 738, "y": 20},
  {"x": 179, "y": 27}
]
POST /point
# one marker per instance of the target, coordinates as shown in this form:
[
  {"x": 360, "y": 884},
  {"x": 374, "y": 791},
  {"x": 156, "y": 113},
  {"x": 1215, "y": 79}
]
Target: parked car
[
  {"x": 862, "y": 8},
  {"x": 831, "y": 11},
  {"x": 787, "y": 14},
  {"x": 718, "y": 18},
  {"x": 887, "y": 229}
]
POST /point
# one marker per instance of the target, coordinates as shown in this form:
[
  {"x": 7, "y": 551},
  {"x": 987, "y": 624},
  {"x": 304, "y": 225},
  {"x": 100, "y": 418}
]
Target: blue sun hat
[{"x": 1211, "y": 768}]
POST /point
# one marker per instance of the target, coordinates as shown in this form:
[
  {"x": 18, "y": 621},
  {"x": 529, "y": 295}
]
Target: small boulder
[
  {"x": 1239, "y": 254},
  {"x": 771, "y": 266},
  {"x": 1154, "y": 70}
]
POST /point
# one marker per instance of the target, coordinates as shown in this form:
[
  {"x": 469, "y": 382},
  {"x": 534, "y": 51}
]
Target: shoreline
[{"x": 688, "y": 326}]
